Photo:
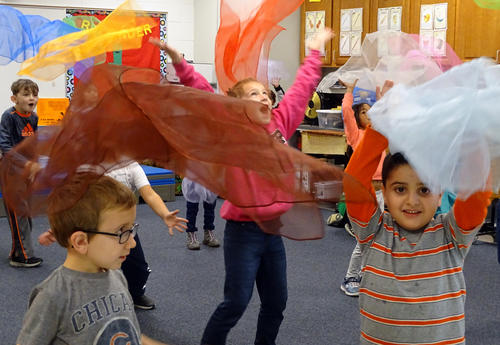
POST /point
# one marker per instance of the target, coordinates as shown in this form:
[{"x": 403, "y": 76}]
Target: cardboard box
[{"x": 323, "y": 142}]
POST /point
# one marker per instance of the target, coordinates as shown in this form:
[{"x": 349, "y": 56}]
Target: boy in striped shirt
[{"x": 413, "y": 288}]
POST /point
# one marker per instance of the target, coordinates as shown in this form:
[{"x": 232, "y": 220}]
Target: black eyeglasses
[{"x": 122, "y": 237}]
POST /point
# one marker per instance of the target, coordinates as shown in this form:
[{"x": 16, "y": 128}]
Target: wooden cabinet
[
  {"x": 477, "y": 31},
  {"x": 471, "y": 31}
]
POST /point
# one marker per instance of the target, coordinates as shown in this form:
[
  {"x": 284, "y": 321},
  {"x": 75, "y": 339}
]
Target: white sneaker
[{"x": 192, "y": 242}]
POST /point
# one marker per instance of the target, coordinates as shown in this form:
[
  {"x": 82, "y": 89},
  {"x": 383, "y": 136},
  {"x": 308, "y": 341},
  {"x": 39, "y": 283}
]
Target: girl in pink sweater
[{"x": 252, "y": 256}]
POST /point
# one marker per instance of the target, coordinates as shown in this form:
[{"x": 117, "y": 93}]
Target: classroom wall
[{"x": 191, "y": 28}]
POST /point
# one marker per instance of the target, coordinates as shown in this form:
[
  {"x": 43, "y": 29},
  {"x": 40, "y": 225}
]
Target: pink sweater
[
  {"x": 354, "y": 134},
  {"x": 286, "y": 118}
]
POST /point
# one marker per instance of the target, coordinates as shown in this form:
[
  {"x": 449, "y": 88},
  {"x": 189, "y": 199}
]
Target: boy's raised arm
[{"x": 362, "y": 166}]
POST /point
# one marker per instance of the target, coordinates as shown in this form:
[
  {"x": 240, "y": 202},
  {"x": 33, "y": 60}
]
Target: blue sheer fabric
[{"x": 21, "y": 36}]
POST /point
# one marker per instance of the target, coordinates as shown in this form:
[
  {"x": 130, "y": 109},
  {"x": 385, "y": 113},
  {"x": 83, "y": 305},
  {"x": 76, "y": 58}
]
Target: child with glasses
[{"x": 86, "y": 300}]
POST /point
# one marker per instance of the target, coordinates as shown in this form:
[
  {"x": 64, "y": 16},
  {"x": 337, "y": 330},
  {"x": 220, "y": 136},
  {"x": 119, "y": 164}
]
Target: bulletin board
[{"x": 148, "y": 56}]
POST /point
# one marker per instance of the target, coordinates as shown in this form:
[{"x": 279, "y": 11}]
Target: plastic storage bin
[{"x": 330, "y": 118}]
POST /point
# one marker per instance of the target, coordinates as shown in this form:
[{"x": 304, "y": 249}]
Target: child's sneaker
[
  {"x": 350, "y": 286},
  {"x": 192, "y": 242},
  {"x": 210, "y": 240},
  {"x": 336, "y": 220},
  {"x": 348, "y": 228},
  {"x": 22, "y": 262}
]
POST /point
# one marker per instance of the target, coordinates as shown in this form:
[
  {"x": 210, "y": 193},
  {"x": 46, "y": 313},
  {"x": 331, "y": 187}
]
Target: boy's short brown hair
[
  {"x": 21, "y": 84},
  {"x": 101, "y": 194}
]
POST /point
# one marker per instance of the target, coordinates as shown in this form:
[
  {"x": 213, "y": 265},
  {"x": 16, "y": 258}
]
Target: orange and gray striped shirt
[{"x": 413, "y": 287}]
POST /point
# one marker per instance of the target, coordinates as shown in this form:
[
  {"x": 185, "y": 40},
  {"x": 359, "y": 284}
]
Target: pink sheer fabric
[
  {"x": 120, "y": 114},
  {"x": 244, "y": 38}
]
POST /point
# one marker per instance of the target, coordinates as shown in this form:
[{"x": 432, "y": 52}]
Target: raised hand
[
  {"x": 171, "y": 51},
  {"x": 388, "y": 84},
  {"x": 350, "y": 86},
  {"x": 319, "y": 40}
]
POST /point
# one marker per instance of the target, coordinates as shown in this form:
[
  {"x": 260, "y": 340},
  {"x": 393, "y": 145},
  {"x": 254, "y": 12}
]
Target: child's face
[
  {"x": 409, "y": 201},
  {"x": 104, "y": 251},
  {"x": 363, "y": 115},
  {"x": 255, "y": 91},
  {"x": 25, "y": 101}
]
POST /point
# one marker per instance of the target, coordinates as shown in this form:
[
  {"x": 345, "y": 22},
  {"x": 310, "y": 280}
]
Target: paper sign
[
  {"x": 51, "y": 111},
  {"x": 345, "y": 20},
  {"x": 426, "y": 38},
  {"x": 440, "y": 16},
  {"x": 426, "y": 17},
  {"x": 439, "y": 43},
  {"x": 345, "y": 44},
  {"x": 395, "y": 18},
  {"x": 357, "y": 19},
  {"x": 383, "y": 19},
  {"x": 355, "y": 43}
]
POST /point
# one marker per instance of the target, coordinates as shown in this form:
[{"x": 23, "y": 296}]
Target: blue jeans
[
  {"x": 208, "y": 215},
  {"x": 250, "y": 255}
]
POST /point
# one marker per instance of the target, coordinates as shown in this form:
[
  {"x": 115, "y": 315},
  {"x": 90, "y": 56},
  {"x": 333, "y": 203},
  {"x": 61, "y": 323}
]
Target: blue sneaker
[{"x": 350, "y": 286}]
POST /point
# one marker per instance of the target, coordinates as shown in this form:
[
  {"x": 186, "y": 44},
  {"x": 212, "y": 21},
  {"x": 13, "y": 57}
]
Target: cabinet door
[
  {"x": 339, "y": 5},
  {"x": 309, "y": 22},
  {"x": 415, "y": 17},
  {"x": 477, "y": 31},
  {"x": 405, "y": 14}
]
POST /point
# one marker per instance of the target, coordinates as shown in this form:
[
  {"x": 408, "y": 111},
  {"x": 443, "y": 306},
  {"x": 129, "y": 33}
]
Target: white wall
[{"x": 286, "y": 48}]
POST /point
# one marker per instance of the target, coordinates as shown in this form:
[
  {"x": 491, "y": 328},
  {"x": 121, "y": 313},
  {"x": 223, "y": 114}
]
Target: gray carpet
[{"x": 187, "y": 286}]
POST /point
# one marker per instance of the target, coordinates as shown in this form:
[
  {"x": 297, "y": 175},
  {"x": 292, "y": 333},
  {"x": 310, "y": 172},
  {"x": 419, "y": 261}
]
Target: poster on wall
[
  {"x": 51, "y": 111},
  {"x": 148, "y": 56},
  {"x": 433, "y": 25}
]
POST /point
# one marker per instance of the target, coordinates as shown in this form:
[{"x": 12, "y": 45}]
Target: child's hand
[
  {"x": 388, "y": 84},
  {"x": 173, "y": 53},
  {"x": 319, "y": 40},
  {"x": 47, "y": 238},
  {"x": 31, "y": 170},
  {"x": 275, "y": 82},
  {"x": 350, "y": 86},
  {"x": 174, "y": 222}
]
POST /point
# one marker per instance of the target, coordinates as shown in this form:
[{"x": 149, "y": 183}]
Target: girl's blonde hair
[{"x": 238, "y": 89}]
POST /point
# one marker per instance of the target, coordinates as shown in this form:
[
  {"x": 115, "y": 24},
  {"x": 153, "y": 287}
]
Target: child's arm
[
  {"x": 156, "y": 203},
  {"x": 291, "y": 110},
  {"x": 6, "y": 125},
  {"x": 362, "y": 166},
  {"x": 351, "y": 129},
  {"x": 184, "y": 71},
  {"x": 148, "y": 341},
  {"x": 470, "y": 213}
]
